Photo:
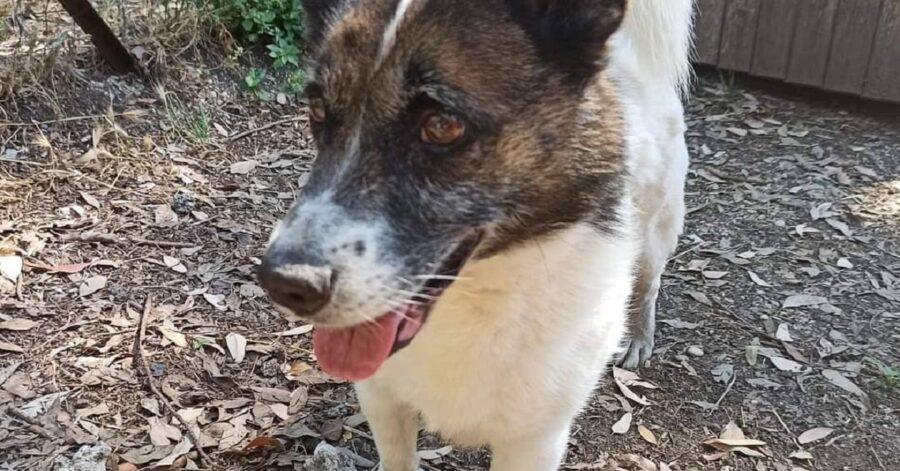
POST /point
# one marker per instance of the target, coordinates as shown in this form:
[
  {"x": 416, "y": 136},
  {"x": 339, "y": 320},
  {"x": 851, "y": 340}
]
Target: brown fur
[{"x": 548, "y": 152}]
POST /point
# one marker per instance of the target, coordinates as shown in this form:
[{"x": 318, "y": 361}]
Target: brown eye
[
  {"x": 442, "y": 129},
  {"x": 317, "y": 110}
]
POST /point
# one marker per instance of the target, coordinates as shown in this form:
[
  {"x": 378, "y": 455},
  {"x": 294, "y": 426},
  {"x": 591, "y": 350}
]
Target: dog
[{"x": 498, "y": 186}]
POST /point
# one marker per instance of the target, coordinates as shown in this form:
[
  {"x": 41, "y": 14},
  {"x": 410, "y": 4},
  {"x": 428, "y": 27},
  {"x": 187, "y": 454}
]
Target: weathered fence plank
[
  {"x": 812, "y": 40},
  {"x": 710, "y": 18},
  {"x": 774, "y": 36},
  {"x": 883, "y": 80},
  {"x": 739, "y": 34},
  {"x": 854, "y": 35}
]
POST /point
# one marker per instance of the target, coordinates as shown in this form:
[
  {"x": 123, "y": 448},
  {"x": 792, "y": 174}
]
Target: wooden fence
[{"x": 849, "y": 46}]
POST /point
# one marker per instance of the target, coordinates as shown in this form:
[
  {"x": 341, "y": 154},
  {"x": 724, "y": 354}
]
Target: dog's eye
[
  {"x": 318, "y": 112},
  {"x": 442, "y": 129}
]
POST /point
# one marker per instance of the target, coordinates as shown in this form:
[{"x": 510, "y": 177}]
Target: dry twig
[
  {"x": 140, "y": 363},
  {"x": 248, "y": 132},
  {"x": 727, "y": 390},
  {"x": 105, "y": 238}
]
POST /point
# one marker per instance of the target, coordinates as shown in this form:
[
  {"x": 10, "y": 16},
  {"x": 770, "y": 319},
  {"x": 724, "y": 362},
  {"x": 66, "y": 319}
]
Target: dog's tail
[{"x": 659, "y": 35}]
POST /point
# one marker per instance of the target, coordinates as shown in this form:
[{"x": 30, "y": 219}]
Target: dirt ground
[{"x": 125, "y": 204}]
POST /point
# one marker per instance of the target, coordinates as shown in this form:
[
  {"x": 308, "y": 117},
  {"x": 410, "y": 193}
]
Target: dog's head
[{"x": 446, "y": 129}]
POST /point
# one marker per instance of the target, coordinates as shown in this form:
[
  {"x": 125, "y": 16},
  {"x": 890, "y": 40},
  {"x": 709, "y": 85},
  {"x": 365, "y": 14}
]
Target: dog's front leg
[
  {"x": 542, "y": 451},
  {"x": 394, "y": 425}
]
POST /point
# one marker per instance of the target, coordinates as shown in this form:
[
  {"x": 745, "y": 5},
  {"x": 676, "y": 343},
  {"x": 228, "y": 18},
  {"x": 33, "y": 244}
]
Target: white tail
[{"x": 658, "y": 32}]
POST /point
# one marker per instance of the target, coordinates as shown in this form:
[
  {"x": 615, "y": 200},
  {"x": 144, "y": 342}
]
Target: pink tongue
[{"x": 355, "y": 353}]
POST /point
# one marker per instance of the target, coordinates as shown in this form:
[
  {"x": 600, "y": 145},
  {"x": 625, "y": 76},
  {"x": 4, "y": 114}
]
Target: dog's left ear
[{"x": 571, "y": 34}]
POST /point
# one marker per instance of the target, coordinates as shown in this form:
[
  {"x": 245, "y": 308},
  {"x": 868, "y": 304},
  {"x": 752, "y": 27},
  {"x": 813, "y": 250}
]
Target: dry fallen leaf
[
  {"x": 89, "y": 199},
  {"x": 783, "y": 333},
  {"x": 621, "y": 427},
  {"x": 162, "y": 432},
  {"x": 164, "y": 216},
  {"x": 174, "y": 264},
  {"x": 647, "y": 435},
  {"x": 680, "y": 324},
  {"x": 243, "y": 168},
  {"x": 10, "y": 347},
  {"x": 699, "y": 297},
  {"x": 431, "y": 455},
  {"x": 631, "y": 379},
  {"x": 272, "y": 394},
  {"x": 262, "y": 443},
  {"x": 733, "y": 440},
  {"x": 181, "y": 449},
  {"x": 814, "y": 435},
  {"x": 784, "y": 364},
  {"x": 759, "y": 281},
  {"x": 842, "y": 382},
  {"x": 18, "y": 324},
  {"x": 168, "y": 330},
  {"x": 237, "y": 346},
  {"x": 92, "y": 285},
  {"x": 303, "y": 329},
  {"x": 729, "y": 443},
  {"x": 215, "y": 300},
  {"x": 803, "y": 300},
  {"x": 67, "y": 268}
]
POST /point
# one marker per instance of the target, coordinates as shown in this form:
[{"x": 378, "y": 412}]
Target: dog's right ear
[
  {"x": 570, "y": 33},
  {"x": 317, "y": 15}
]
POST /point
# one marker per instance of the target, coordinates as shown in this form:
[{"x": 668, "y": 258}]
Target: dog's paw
[{"x": 638, "y": 351}]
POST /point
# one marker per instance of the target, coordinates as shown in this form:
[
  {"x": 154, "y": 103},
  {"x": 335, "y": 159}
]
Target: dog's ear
[
  {"x": 570, "y": 33},
  {"x": 317, "y": 16}
]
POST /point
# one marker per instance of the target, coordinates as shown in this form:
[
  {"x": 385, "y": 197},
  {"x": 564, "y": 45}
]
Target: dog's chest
[{"x": 520, "y": 348}]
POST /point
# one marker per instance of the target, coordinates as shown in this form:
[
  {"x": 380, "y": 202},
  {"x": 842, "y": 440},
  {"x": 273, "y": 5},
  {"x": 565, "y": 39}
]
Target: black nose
[{"x": 304, "y": 289}]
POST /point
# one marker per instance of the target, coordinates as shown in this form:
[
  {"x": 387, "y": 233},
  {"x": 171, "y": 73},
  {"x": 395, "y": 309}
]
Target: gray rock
[
  {"x": 87, "y": 458},
  {"x": 329, "y": 458},
  {"x": 695, "y": 351}
]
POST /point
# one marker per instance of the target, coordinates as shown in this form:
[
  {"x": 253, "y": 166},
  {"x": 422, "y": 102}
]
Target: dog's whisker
[
  {"x": 414, "y": 294},
  {"x": 441, "y": 277}
]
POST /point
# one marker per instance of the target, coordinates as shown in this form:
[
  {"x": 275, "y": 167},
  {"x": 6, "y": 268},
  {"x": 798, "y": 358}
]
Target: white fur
[
  {"x": 649, "y": 60},
  {"x": 513, "y": 350},
  {"x": 510, "y": 353},
  {"x": 326, "y": 230},
  {"x": 389, "y": 38}
]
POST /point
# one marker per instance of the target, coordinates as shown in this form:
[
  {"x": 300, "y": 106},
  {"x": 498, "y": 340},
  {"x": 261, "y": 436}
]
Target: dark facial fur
[{"x": 543, "y": 148}]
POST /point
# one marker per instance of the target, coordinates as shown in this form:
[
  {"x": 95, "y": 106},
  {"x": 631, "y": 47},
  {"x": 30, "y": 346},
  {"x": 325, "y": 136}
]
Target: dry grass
[{"x": 42, "y": 51}]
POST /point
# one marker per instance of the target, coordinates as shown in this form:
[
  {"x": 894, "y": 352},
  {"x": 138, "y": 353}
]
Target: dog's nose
[{"x": 304, "y": 289}]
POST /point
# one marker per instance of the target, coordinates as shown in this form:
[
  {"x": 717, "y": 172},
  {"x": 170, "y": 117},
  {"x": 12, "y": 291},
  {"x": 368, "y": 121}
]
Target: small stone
[
  {"x": 157, "y": 369},
  {"x": 87, "y": 458},
  {"x": 329, "y": 458},
  {"x": 182, "y": 203},
  {"x": 695, "y": 351}
]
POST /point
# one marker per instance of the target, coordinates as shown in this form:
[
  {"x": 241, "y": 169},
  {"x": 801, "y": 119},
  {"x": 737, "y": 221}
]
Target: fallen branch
[
  {"x": 140, "y": 363},
  {"x": 244, "y": 134}
]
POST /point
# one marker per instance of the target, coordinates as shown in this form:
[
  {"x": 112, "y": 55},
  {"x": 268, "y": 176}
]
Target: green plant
[
  {"x": 890, "y": 375},
  {"x": 193, "y": 123},
  {"x": 254, "y": 78},
  {"x": 276, "y": 24},
  {"x": 295, "y": 82}
]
